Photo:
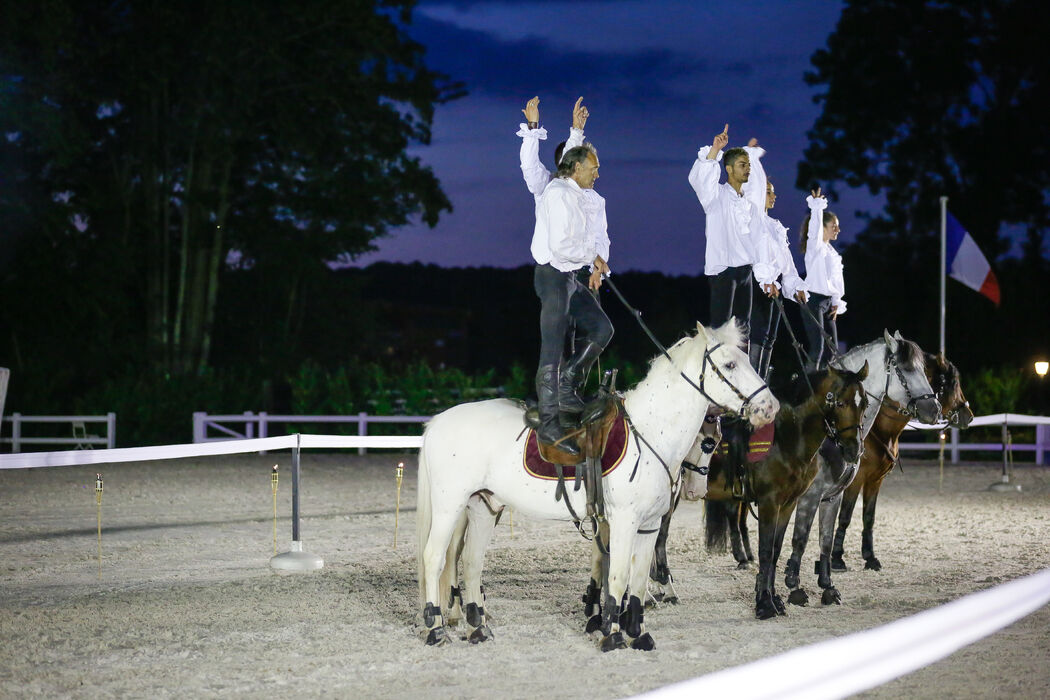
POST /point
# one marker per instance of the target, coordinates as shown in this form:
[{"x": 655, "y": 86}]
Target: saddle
[{"x": 597, "y": 421}]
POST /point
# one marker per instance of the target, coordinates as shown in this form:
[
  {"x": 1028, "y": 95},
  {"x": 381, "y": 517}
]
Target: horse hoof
[
  {"x": 764, "y": 608},
  {"x": 742, "y": 565},
  {"x": 831, "y": 596},
  {"x": 613, "y": 641},
  {"x": 778, "y": 605},
  {"x": 481, "y": 634},
  {"x": 594, "y": 623},
  {"x": 837, "y": 564},
  {"x": 791, "y": 574},
  {"x": 873, "y": 564},
  {"x": 798, "y": 597},
  {"x": 671, "y": 600},
  {"x": 438, "y": 637},
  {"x": 644, "y": 643}
]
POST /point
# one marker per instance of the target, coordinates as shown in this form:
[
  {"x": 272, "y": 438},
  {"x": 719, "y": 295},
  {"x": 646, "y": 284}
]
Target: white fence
[
  {"x": 954, "y": 446},
  {"x": 257, "y": 424},
  {"x": 250, "y": 425},
  {"x": 79, "y": 436}
]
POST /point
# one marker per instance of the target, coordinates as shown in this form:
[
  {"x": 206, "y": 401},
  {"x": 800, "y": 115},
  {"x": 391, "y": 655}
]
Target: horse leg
[
  {"x": 867, "y": 544},
  {"x": 735, "y": 538},
  {"x": 442, "y": 526},
  {"x": 622, "y": 533},
  {"x": 767, "y": 526},
  {"x": 745, "y": 538},
  {"x": 633, "y": 618},
  {"x": 660, "y": 572},
  {"x": 849, "y": 502},
  {"x": 828, "y": 509},
  {"x": 778, "y": 542},
  {"x": 804, "y": 513},
  {"x": 592, "y": 606},
  {"x": 450, "y": 574},
  {"x": 480, "y": 525}
]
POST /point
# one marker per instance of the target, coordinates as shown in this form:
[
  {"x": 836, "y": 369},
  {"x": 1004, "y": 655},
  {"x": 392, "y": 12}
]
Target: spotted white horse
[{"x": 470, "y": 465}]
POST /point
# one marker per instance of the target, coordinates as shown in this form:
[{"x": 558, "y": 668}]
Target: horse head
[
  {"x": 908, "y": 385},
  {"x": 944, "y": 378},
  {"x": 727, "y": 378},
  {"x": 845, "y": 401}
]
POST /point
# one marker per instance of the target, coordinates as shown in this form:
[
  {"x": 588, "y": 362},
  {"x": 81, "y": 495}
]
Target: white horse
[{"x": 470, "y": 464}]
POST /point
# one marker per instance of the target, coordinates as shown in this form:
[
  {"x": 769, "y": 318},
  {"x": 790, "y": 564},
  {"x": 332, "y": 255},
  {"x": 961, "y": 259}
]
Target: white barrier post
[
  {"x": 198, "y": 426},
  {"x": 16, "y": 432},
  {"x": 362, "y": 428},
  {"x": 296, "y": 559},
  {"x": 955, "y": 445},
  {"x": 111, "y": 430}
]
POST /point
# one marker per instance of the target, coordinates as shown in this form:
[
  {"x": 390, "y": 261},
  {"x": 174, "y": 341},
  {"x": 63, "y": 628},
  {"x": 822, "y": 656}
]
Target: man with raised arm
[
  {"x": 764, "y": 317},
  {"x": 735, "y": 249},
  {"x": 564, "y": 246}
]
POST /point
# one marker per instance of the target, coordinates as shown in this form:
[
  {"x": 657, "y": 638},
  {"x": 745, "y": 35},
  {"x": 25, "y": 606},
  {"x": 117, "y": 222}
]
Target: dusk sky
[{"x": 660, "y": 80}]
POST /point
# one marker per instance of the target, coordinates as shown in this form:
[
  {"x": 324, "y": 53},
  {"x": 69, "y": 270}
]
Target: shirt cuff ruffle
[
  {"x": 764, "y": 273},
  {"x": 816, "y": 203},
  {"x": 702, "y": 154},
  {"x": 538, "y": 133}
]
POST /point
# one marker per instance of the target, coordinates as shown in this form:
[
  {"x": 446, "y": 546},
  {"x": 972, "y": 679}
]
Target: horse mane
[
  {"x": 727, "y": 334},
  {"x": 795, "y": 390},
  {"x": 945, "y": 380},
  {"x": 910, "y": 355}
]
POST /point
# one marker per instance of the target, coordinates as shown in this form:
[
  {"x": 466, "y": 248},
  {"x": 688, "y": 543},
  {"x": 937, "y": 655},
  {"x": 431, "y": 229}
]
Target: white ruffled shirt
[
  {"x": 734, "y": 234},
  {"x": 823, "y": 263},
  {"x": 755, "y": 190},
  {"x": 537, "y": 178},
  {"x": 561, "y": 237}
]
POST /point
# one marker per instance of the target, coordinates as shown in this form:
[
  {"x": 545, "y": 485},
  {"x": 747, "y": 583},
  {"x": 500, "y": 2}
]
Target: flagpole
[{"x": 944, "y": 262}]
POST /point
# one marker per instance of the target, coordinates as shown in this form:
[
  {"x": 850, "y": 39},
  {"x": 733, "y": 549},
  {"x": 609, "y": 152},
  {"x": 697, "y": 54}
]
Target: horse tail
[
  {"x": 716, "y": 524},
  {"x": 423, "y": 516}
]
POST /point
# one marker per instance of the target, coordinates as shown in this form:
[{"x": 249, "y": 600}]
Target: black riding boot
[
  {"x": 550, "y": 430},
  {"x": 574, "y": 375}
]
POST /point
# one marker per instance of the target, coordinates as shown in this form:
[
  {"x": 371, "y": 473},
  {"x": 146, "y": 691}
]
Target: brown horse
[
  {"x": 833, "y": 409},
  {"x": 881, "y": 450}
]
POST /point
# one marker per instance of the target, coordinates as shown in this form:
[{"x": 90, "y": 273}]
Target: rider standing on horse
[
  {"x": 735, "y": 249},
  {"x": 570, "y": 249},
  {"x": 823, "y": 277},
  {"x": 764, "y": 318}
]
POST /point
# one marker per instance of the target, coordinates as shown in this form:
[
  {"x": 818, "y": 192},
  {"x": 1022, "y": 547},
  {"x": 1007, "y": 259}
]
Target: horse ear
[
  {"x": 701, "y": 332},
  {"x": 863, "y": 373},
  {"x": 897, "y": 335},
  {"x": 890, "y": 341}
]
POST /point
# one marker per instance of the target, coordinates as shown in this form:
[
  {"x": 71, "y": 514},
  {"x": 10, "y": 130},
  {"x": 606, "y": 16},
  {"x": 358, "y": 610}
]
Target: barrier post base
[
  {"x": 1005, "y": 486},
  {"x": 296, "y": 560}
]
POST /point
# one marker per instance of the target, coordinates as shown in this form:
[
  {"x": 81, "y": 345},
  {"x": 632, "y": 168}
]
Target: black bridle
[
  {"x": 831, "y": 401},
  {"x": 746, "y": 400},
  {"x": 911, "y": 409}
]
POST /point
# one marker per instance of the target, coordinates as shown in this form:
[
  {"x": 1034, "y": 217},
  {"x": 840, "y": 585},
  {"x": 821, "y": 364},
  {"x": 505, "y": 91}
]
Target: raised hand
[
  {"x": 532, "y": 111},
  {"x": 579, "y": 115},
  {"x": 752, "y": 142},
  {"x": 721, "y": 140},
  {"x": 816, "y": 194}
]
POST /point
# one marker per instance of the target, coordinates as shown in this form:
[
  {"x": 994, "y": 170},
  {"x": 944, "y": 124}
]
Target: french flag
[{"x": 966, "y": 263}]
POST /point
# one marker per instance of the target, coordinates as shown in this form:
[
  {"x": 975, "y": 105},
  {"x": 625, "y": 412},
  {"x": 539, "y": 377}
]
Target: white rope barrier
[
  {"x": 68, "y": 458},
  {"x": 843, "y": 666}
]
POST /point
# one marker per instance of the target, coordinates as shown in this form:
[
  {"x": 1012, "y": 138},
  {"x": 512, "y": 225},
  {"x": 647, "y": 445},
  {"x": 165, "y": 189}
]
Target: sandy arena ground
[{"x": 187, "y": 606}]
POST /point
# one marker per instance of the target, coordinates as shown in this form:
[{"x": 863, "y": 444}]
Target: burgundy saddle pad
[
  {"x": 759, "y": 445},
  {"x": 615, "y": 448}
]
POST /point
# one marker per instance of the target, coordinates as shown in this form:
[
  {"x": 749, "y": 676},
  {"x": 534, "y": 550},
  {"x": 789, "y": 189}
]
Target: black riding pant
[
  {"x": 820, "y": 308},
  {"x": 731, "y": 296},
  {"x": 564, "y": 297},
  {"x": 765, "y": 319}
]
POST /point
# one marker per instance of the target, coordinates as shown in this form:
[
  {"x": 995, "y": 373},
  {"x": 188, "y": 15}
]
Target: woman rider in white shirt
[{"x": 823, "y": 278}]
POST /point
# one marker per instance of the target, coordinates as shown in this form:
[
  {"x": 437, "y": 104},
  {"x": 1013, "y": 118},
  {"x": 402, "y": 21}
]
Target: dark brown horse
[
  {"x": 833, "y": 409},
  {"x": 881, "y": 450}
]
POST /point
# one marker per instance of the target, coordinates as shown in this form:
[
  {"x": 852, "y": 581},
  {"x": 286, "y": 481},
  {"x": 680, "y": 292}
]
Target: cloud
[{"x": 513, "y": 68}]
